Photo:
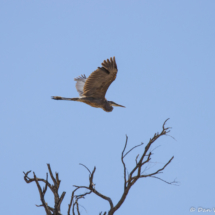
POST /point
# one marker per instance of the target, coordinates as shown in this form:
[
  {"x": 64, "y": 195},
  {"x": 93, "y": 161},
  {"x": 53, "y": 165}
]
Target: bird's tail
[{"x": 63, "y": 98}]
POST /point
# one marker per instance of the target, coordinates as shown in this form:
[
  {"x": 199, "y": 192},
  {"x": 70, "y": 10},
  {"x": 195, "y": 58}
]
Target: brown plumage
[{"x": 92, "y": 90}]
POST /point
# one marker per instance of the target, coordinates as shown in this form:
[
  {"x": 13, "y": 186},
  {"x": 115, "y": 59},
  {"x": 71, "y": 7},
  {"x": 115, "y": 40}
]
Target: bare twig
[
  {"x": 61, "y": 199},
  {"x": 171, "y": 183},
  {"x": 133, "y": 148},
  {"x": 45, "y": 188},
  {"x": 85, "y": 167},
  {"x": 124, "y": 166},
  {"x": 136, "y": 158},
  {"x": 158, "y": 171},
  {"x": 71, "y": 201},
  {"x": 91, "y": 179}
]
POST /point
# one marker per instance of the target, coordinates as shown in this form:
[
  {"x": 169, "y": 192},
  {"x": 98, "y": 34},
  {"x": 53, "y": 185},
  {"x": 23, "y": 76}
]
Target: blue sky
[{"x": 165, "y": 52}]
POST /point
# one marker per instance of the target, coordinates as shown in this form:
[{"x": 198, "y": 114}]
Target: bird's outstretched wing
[
  {"x": 80, "y": 84},
  {"x": 98, "y": 82}
]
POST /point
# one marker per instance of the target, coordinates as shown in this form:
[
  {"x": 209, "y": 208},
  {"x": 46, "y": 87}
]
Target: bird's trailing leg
[{"x": 63, "y": 98}]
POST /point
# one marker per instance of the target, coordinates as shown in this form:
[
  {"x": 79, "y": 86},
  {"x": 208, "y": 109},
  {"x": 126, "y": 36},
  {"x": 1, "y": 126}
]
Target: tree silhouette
[{"x": 129, "y": 180}]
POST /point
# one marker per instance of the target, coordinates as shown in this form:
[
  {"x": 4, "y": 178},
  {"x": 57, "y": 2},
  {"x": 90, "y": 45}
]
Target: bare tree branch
[
  {"x": 71, "y": 201},
  {"x": 91, "y": 189},
  {"x": 42, "y": 196},
  {"x": 54, "y": 188},
  {"x": 52, "y": 177},
  {"x": 61, "y": 199},
  {"x": 141, "y": 165},
  {"x": 29, "y": 180},
  {"x": 158, "y": 171},
  {"x": 45, "y": 188},
  {"x": 132, "y": 179},
  {"x": 122, "y": 156},
  {"x": 136, "y": 158}
]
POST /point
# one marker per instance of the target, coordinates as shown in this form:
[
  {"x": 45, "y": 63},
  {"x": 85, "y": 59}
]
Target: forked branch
[{"x": 54, "y": 188}]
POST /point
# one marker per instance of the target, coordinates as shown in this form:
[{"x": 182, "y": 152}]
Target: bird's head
[{"x": 115, "y": 104}]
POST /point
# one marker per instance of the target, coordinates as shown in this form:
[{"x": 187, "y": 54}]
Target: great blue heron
[{"x": 92, "y": 90}]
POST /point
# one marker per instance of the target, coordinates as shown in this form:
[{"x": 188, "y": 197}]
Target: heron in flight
[{"x": 92, "y": 90}]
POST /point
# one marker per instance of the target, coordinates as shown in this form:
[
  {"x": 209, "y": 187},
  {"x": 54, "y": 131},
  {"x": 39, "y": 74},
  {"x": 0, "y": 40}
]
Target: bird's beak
[{"x": 116, "y": 105}]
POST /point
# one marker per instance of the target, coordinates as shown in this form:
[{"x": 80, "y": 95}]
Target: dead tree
[{"x": 129, "y": 180}]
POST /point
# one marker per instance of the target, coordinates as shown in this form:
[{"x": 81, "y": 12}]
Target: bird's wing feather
[
  {"x": 80, "y": 84},
  {"x": 98, "y": 82}
]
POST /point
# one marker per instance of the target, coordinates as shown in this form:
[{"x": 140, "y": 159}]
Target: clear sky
[{"x": 165, "y": 52}]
